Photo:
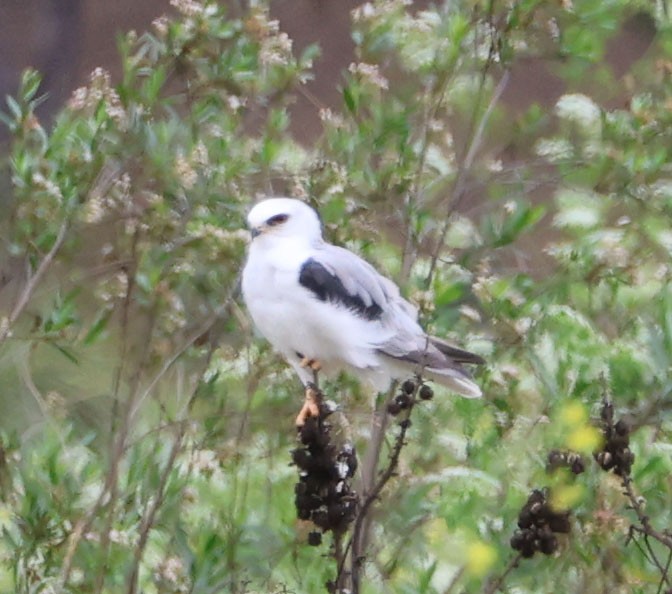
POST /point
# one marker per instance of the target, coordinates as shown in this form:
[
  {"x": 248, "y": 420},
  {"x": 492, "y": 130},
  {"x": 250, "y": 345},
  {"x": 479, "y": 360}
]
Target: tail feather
[
  {"x": 456, "y": 354},
  {"x": 441, "y": 362},
  {"x": 454, "y": 379}
]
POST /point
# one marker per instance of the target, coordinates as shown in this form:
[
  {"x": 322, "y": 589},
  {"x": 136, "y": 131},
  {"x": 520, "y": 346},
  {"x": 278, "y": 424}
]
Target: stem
[
  {"x": 637, "y": 506},
  {"x": 149, "y": 517},
  {"x": 648, "y": 530},
  {"x": 359, "y": 538},
  {"x": 340, "y": 554},
  {"x": 32, "y": 283},
  {"x": 493, "y": 585},
  {"x": 460, "y": 182}
]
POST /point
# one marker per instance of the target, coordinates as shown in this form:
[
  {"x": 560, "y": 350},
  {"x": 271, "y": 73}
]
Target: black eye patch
[{"x": 277, "y": 220}]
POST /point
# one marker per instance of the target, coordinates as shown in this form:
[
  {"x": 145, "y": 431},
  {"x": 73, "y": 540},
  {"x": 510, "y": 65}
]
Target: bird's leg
[
  {"x": 311, "y": 405},
  {"x": 313, "y": 364}
]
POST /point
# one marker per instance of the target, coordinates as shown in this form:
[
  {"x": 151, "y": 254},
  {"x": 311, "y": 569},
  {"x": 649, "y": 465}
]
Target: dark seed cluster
[
  {"x": 406, "y": 396},
  {"x": 323, "y": 494},
  {"x": 564, "y": 459},
  {"x": 538, "y": 525},
  {"x": 615, "y": 454}
]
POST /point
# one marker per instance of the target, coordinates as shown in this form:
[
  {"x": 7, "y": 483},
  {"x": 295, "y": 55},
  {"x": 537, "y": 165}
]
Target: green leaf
[
  {"x": 521, "y": 221},
  {"x": 349, "y": 99},
  {"x": 14, "y": 108},
  {"x": 98, "y": 326},
  {"x": 67, "y": 353},
  {"x": 30, "y": 83}
]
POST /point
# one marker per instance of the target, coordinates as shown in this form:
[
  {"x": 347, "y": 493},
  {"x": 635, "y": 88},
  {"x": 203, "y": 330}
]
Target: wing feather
[
  {"x": 341, "y": 277},
  {"x": 338, "y": 276}
]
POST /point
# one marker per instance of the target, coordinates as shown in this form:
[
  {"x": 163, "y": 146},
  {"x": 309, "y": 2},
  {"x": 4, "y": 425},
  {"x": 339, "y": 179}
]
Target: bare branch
[
  {"x": 493, "y": 585},
  {"x": 359, "y": 538},
  {"x": 33, "y": 282},
  {"x": 460, "y": 183}
]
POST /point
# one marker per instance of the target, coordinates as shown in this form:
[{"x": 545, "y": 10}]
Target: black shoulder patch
[{"x": 327, "y": 287}]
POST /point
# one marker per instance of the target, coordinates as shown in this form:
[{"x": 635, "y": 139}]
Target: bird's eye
[{"x": 277, "y": 220}]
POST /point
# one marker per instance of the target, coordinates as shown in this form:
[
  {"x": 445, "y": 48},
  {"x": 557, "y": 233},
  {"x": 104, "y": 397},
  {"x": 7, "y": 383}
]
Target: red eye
[{"x": 277, "y": 220}]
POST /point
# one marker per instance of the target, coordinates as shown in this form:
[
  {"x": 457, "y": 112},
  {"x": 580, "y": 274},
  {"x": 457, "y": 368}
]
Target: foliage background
[{"x": 146, "y": 445}]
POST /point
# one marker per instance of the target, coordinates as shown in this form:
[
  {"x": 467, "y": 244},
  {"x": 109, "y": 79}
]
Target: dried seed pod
[
  {"x": 408, "y": 386},
  {"x": 605, "y": 460},
  {"x": 517, "y": 540},
  {"x": 525, "y": 519},
  {"x": 320, "y": 518},
  {"x": 393, "y": 408},
  {"x": 302, "y": 513},
  {"x": 403, "y": 400},
  {"x": 578, "y": 466},
  {"x": 314, "y": 539},
  {"x": 528, "y": 549},
  {"x": 548, "y": 543},
  {"x": 607, "y": 412},
  {"x": 622, "y": 427},
  {"x": 426, "y": 393},
  {"x": 323, "y": 494},
  {"x": 555, "y": 459},
  {"x": 559, "y": 523},
  {"x": 302, "y": 458}
]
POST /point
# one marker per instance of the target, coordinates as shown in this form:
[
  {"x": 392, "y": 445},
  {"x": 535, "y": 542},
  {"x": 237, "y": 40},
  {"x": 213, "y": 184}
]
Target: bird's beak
[{"x": 256, "y": 231}]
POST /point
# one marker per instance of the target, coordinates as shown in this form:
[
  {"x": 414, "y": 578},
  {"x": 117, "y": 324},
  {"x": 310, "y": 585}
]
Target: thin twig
[
  {"x": 648, "y": 531},
  {"x": 358, "y": 540},
  {"x": 665, "y": 573},
  {"x": 340, "y": 554},
  {"x": 32, "y": 283},
  {"x": 438, "y": 96},
  {"x": 149, "y": 517},
  {"x": 493, "y": 585},
  {"x": 465, "y": 169},
  {"x": 456, "y": 580},
  {"x": 378, "y": 427},
  {"x": 118, "y": 437},
  {"x": 637, "y": 506}
]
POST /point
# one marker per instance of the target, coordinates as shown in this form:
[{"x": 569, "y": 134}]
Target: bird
[{"x": 324, "y": 308}]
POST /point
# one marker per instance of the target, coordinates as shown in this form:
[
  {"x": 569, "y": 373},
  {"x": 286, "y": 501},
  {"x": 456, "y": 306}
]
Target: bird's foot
[
  {"x": 313, "y": 364},
  {"x": 311, "y": 406}
]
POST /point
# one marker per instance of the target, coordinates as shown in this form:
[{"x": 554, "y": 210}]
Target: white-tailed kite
[{"x": 323, "y": 307}]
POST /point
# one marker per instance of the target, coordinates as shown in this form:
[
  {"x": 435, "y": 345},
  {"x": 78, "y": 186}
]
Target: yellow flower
[
  {"x": 574, "y": 413},
  {"x": 585, "y": 439},
  {"x": 480, "y": 558},
  {"x": 564, "y": 497}
]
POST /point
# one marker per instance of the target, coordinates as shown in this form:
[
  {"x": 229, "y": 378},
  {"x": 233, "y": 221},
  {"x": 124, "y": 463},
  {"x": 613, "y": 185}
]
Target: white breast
[{"x": 295, "y": 321}]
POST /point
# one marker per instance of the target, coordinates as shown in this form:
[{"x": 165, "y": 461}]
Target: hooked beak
[{"x": 257, "y": 231}]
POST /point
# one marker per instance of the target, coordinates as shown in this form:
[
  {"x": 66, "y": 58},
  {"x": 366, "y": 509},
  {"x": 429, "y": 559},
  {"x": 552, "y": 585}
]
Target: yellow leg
[
  {"x": 310, "y": 406},
  {"x": 313, "y": 364}
]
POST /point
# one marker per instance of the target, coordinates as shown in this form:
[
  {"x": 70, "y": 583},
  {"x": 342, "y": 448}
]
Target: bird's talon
[
  {"x": 313, "y": 364},
  {"x": 310, "y": 407}
]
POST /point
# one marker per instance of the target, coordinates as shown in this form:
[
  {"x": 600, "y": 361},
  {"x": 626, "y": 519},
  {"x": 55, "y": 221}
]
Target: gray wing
[{"x": 337, "y": 275}]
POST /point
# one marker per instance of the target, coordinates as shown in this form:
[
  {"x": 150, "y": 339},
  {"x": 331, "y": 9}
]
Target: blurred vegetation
[{"x": 146, "y": 435}]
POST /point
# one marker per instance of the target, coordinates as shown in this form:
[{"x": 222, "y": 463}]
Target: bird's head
[{"x": 284, "y": 217}]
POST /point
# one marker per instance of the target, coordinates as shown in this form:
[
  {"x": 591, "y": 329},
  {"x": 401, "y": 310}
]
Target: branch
[
  {"x": 638, "y": 508},
  {"x": 460, "y": 182},
  {"x": 358, "y": 540},
  {"x": 648, "y": 531},
  {"x": 31, "y": 285},
  {"x": 149, "y": 517},
  {"x": 378, "y": 428},
  {"x": 493, "y": 585}
]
